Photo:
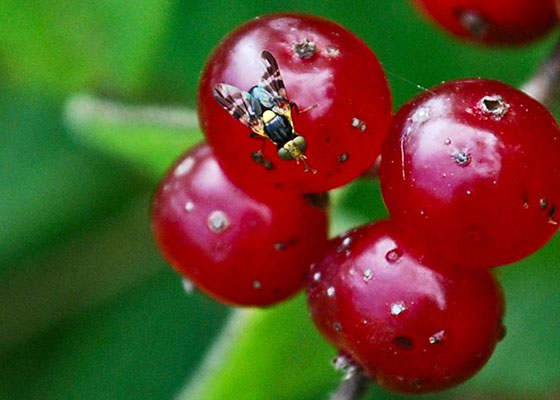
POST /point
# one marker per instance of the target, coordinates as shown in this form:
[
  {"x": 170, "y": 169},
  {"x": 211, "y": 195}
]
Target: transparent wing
[
  {"x": 271, "y": 80},
  {"x": 236, "y": 102}
]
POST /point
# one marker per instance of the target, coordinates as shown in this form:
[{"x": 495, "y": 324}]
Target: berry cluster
[{"x": 294, "y": 105}]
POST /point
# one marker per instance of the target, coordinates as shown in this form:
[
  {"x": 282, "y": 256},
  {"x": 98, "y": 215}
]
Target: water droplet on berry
[
  {"x": 332, "y": 51},
  {"x": 447, "y": 141},
  {"x": 358, "y": 124},
  {"x": 337, "y": 327},
  {"x": 330, "y": 291},
  {"x": 342, "y": 158},
  {"x": 393, "y": 255},
  {"x": 218, "y": 221},
  {"x": 543, "y": 203},
  {"x": 345, "y": 246},
  {"x": 257, "y": 285},
  {"x": 469, "y": 192},
  {"x": 421, "y": 115},
  {"x": 188, "y": 286},
  {"x": 317, "y": 276},
  {"x": 368, "y": 274},
  {"x": 280, "y": 246},
  {"x": 397, "y": 308},
  {"x": 437, "y": 337},
  {"x": 185, "y": 166},
  {"x": 462, "y": 158},
  {"x": 189, "y": 206}
]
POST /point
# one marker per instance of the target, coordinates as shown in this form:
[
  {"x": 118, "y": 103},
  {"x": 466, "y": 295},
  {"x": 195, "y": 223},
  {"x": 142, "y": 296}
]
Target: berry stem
[
  {"x": 544, "y": 85},
  {"x": 352, "y": 387}
]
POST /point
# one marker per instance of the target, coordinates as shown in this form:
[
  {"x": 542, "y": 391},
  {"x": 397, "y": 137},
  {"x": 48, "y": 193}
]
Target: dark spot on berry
[
  {"x": 319, "y": 200},
  {"x": 328, "y": 139},
  {"x": 502, "y": 332},
  {"x": 280, "y": 246},
  {"x": 417, "y": 383},
  {"x": 404, "y": 342},
  {"x": 473, "y": 236},
  {"x": 305, "y": 49},
  {"x": 279, "y": 185},
  {"x": 258, "y": 158},
  {"x": 552, "y": 211},
  {"x": 329, "y": 174}
]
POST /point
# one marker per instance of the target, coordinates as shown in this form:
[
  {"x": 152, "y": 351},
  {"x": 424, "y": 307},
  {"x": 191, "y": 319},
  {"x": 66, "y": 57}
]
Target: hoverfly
[{"x": 266, "y": 110}]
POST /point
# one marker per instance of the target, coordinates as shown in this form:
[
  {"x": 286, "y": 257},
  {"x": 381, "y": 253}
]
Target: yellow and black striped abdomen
[{"x": 277, "y": 127}]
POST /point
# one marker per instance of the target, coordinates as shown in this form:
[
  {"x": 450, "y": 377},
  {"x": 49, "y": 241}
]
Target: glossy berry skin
[
  {"x": 239, "y": 248},
  {"x": 413, "y": 328},
  {"x": 472, "y": 168},
  {"x": 322, "y": 64},
  {"x": 492, "y": 22}
]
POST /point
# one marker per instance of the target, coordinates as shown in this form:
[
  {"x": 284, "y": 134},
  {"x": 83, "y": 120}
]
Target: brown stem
[
  {"x": 544, "y": 85},
  {"x": 353, "y": 386}
]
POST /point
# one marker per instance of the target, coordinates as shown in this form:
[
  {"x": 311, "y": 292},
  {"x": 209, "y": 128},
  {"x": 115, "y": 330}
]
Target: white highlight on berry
[
  {"x": 185, "y": 167},
  {"x": 397, "y": 308}
]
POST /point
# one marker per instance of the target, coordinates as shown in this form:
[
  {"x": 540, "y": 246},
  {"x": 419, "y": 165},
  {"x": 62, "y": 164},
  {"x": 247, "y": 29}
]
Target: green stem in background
[
  {"x": 82, "y": 109},
  {"x": 148, "y": 138},
  {"x": 544, "y": 85},
  {"x": 220, "y": 350}
]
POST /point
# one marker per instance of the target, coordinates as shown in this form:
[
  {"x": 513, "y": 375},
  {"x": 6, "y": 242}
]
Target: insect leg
[{"x": 295, "y": 106}]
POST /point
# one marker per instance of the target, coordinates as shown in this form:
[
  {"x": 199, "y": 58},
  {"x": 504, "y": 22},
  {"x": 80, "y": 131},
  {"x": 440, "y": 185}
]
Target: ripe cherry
[
  {"x": 494, "y": 22},
  {"x": 241, "y": 248},
  {"x": 325, "y": 68},
  {"x": 413, "y": 328},
  {"x": 472, "y": 168}
]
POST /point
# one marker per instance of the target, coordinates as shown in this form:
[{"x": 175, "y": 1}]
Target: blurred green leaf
[
  {"x": 50, "y": 188},
  {"x": 64, "y": 46},
  {"x": 138, "y": 345},
  {"x": 85, "y": 313},
  {"x": 147, "y": 138},
  {"x": 273, "y": 354}
]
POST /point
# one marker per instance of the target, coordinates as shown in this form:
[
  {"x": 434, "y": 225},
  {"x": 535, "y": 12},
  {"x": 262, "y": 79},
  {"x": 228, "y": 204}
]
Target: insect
[{"x": 266, "y": 110}]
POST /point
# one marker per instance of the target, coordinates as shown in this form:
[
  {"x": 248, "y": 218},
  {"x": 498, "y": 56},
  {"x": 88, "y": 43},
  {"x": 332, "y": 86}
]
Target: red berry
[
  {"x": 472, "y": 168},
  {"x": 322, "y": 65},
  {"x": 413, "y": 328},
  {"x": 239, "y": 248},
  {"x": 496, "y": 21}
]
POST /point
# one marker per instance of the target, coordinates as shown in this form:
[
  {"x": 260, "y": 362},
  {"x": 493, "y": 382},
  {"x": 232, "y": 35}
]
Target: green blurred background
[{"x": 88, "y": 309}]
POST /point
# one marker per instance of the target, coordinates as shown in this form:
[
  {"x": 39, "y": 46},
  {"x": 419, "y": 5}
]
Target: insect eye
[
  {"x": 300, "y": 143},
  {"x": 284, "y": 154}
]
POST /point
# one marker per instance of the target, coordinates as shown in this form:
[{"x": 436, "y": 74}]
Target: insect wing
[
  {"x": 272, "y": 81},
  {"x": 237, "y": 103}
]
